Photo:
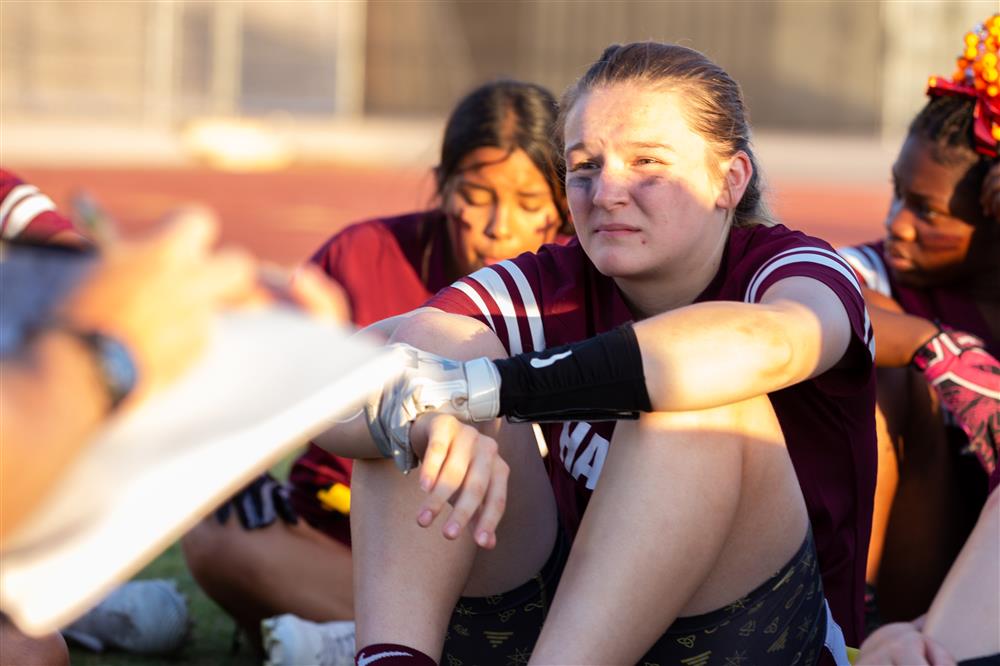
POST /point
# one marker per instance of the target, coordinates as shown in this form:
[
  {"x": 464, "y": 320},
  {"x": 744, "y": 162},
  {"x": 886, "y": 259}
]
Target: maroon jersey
[
  {"x": 557, "y": 296},
  {"x": 951, "y": 307},
  {"x": 386, "y": 267},
  {"x": 26, "y": 213}
]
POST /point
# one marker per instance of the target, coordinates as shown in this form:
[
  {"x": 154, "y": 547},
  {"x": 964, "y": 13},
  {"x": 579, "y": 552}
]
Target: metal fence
[{"x": 816, "y": 66}]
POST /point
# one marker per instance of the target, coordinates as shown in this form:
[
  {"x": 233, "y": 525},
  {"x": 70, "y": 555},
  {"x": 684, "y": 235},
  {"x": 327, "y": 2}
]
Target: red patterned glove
[{"x": 967, "y": 380}]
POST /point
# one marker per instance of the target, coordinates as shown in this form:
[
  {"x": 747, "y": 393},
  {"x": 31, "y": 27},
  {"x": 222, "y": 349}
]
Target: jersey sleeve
[
  {"x": 505, "y": 297},
  {"x": 26, "y": 213},
  {"x": 828, "y": 267},
  {"x": 868, "y": 267}
]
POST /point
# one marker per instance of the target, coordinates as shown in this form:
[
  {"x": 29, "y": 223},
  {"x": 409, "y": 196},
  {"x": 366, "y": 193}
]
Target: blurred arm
[
  {"x": 898, "y": 335},
  {"x": 52, "y": 400}
]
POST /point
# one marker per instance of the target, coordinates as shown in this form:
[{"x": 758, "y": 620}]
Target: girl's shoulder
[{"x": 758, "y": 256}]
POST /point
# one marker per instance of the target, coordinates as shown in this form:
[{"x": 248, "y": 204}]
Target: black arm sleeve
[{"x": 599, "y": 379}]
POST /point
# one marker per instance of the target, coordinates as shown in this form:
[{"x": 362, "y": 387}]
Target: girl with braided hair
[{"x": 933, "y": 290}]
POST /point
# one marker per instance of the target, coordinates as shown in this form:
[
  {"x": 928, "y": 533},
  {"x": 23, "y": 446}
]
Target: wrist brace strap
[{"x": 599, "y": 379}]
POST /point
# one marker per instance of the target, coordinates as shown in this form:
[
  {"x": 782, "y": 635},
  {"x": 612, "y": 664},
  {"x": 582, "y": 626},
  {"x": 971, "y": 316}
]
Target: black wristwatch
[{"x": 114, "y": 362}]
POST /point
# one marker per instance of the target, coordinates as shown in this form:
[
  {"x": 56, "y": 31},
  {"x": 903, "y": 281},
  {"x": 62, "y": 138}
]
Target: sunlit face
[
  {"x": 639, "y": 183},
  {"x": 499, "y": 206},
  {"x": 933, "y": 218}
]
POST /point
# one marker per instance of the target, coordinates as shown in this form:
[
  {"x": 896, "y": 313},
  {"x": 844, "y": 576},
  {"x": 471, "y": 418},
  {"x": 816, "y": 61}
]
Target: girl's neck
[{"x": 673, "y": 286}]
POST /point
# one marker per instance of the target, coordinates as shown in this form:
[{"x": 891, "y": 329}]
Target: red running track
[{"x": 284, "y": 216}]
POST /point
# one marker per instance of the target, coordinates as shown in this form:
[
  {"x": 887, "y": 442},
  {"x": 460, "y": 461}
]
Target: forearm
[
  {"x": 712, "y": 354},
  {"x": 351, "y": 438},
  {"x": 699, "y": 357},
  {"x": 51, "y": 402},
  {"x": 898, "y": 336},
  {"x": 968, "y": 605},
  {"x": 348, "y": 439}
]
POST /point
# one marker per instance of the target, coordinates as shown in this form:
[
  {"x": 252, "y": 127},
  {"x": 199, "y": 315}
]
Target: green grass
[{"x": 211, "y": 640}]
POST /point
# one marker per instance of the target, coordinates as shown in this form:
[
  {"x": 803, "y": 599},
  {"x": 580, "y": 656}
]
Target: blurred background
[{"x": 294, "y": 117}]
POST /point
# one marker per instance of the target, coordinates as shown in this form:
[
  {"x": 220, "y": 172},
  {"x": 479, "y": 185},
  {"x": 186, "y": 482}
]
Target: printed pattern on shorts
[
  {"x": 503, "y": 629},
  {"x": 782, "y": 621}
]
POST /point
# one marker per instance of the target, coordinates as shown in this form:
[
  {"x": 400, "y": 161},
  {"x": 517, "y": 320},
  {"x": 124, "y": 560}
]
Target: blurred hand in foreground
[{"x": 157, "y": 295}]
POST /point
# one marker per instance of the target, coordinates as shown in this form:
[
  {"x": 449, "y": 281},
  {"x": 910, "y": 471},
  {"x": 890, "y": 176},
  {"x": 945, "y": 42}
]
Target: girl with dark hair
[
  {"x": 933, "y": 288},
  {"x": 499, "y": 194},
  {"x": 705, "y": 382}
]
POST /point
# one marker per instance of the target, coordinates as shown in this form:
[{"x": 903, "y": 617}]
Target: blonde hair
[{"x": 712, "y": 102}]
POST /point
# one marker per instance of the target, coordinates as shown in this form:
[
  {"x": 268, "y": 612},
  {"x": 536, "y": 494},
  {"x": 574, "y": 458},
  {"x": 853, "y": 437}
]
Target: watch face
[{"x": 120, "y": 373}]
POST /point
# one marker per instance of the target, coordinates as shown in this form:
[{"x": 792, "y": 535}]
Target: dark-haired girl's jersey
[
  {"x": 950, "y": 307},
  {"x": 386, "y": 267},
  {"x": 557, "y": 296}
]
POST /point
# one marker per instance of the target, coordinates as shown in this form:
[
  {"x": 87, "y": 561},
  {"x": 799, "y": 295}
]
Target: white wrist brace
[{"x": 469, "y": 391}]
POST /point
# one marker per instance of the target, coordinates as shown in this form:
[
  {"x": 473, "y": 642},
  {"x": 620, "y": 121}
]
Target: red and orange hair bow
[{"x": 977, "y": 77}]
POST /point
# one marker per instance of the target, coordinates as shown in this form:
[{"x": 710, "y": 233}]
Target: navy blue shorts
[{"x": 782, "y": 621}]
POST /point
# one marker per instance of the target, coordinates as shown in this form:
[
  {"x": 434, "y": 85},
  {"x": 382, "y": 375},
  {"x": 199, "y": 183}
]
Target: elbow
[
  {"x": 453, "y": 336},
  {"x": 789, "y": 356},
  {"x": 786, "y": 362}
]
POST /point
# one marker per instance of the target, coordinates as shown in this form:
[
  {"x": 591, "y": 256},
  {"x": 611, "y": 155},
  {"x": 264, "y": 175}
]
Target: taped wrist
[{"x": 599, "y": 379}]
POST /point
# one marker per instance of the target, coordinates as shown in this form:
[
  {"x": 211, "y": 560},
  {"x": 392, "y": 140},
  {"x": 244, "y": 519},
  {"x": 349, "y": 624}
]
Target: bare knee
[
  {"x": 224, "y": 556},
  {"x": 750, "y": 421},
  {"x": 741, "y": 447},
  {"x": 206, "y": 547}
]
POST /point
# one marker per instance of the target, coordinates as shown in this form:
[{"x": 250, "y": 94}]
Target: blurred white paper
[{"x": 269, "y": 381}]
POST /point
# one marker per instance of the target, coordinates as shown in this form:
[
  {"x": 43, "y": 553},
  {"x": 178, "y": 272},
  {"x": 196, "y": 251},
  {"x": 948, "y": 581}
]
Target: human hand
[
  {"x": 158, "y": 295},
  {"x": 460, "y": 462},
  {"x": 470, "y": 391},
  {"x": 990, "y": 194},
  {"x": 259, "y": 504},
  {"x": 967, "y": 381},
  {"x": 902, "y": 644},
  {"x": 305, "y": 287}
]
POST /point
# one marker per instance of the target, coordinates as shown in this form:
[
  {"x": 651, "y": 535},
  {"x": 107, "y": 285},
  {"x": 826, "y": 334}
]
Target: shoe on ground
[
  {"x": 291, "y": 641},
  {"x": 141, "y": 617}
]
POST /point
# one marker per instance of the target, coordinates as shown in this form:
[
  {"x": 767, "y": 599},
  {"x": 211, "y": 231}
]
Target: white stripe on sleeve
[
  {"x": 494, "y": 284},
  {"x": 476, "y": 300},
  {"x": 801, "y": 255},
  {"x": 881, "y": 285},
  {"x": 530, "y": 305},
  {"x": 869, "y": 333},
  {"x": 13, "y": 197},
  {"x": 24, "y": 212},
  {"x": 860, "y": 262}
]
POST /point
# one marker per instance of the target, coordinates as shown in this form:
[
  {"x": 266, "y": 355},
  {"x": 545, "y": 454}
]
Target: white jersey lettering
[
  {"x": 569, "y": 441},
  {"x": 591, "y": 462}
]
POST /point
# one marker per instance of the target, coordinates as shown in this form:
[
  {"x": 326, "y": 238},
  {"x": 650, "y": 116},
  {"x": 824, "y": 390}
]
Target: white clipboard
[{"x": 270, "y": 380}]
